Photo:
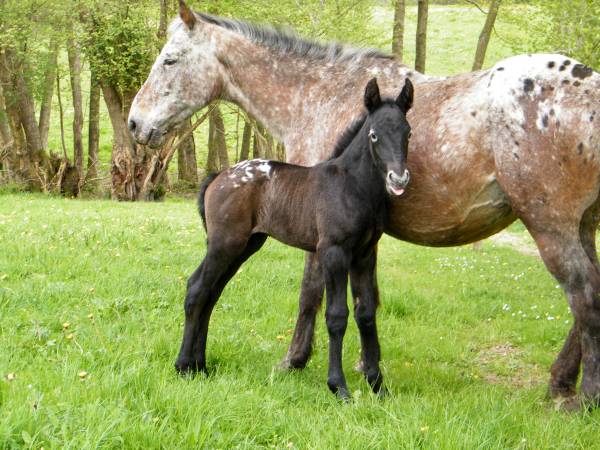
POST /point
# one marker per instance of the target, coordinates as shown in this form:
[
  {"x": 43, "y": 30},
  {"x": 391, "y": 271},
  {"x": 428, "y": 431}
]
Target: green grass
[
  {"x": 452, "y": 35},
  {"x": 465, "y": 354}
]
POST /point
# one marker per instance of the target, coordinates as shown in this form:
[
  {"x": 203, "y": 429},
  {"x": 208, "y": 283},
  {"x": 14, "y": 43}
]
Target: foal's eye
[
  {"x": 373, "y": 136},
  {"x": 169, "y": 62},
  {"x": 409, "y": 134}
]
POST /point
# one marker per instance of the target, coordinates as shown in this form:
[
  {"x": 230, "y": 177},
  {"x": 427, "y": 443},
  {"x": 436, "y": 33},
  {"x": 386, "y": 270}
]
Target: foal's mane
[
  {"x": 348, "y": 136},
  {"x": 287, "y": 41}
]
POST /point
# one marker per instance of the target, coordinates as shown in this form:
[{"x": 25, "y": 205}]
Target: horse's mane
[
  {"x": 348, "y": 136},
  {"x": 287, "y": 41}
]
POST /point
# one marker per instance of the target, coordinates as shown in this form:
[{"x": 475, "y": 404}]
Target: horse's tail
[{"x": 203, "y": 187}]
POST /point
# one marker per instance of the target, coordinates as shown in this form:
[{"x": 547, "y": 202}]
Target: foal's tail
[{"x": 203, "y": 187}]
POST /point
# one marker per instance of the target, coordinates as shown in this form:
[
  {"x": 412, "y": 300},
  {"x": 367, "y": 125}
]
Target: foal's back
[{"x": 261, "y": 196}]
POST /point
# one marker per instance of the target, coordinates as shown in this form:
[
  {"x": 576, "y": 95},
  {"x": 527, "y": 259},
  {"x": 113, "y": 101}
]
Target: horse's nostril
[{"x": 132, "y": 125}]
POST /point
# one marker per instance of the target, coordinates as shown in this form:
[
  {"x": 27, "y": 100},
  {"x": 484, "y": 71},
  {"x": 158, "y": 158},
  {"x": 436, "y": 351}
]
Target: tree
[
  {"x": 75, "y": 77},
  {"x": 398, "y": 32},
  {"x": 93, "y": 130},
  {"x": 187, "y": 167},
  {"x": 484, "y": 37},
  {"x": 557, "y": 26},
  {"x": 421, "y": 47}
]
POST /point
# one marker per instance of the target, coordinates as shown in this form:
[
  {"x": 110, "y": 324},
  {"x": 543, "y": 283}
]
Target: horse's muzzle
[{"x": 145, "y": 136}]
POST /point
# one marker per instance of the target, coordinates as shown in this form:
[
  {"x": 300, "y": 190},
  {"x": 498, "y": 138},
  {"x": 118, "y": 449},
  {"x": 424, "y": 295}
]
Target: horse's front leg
[
  {"x": 311, "y": 296},
  {"x": 363, "y": 282},
  {"x": 335, "y": 262}
]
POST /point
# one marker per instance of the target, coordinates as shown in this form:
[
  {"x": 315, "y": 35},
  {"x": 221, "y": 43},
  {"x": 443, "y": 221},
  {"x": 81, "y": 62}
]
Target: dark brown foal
[{"x": 336, "y": 209}]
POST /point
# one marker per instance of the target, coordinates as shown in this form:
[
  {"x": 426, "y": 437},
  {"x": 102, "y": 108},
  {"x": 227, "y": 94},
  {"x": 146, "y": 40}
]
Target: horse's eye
[
  {"x": 373, "y": 136},
  {"x": 169, "y": 62},
  {"x": 409, "y": 134}
]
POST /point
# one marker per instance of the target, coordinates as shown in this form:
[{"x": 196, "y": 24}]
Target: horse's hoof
[
  {"x": 556, "y": 391},
  {"x": 567, "y": 404}
]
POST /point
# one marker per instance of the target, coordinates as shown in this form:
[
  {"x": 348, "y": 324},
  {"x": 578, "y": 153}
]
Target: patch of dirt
[
  {"x": 521, "y": 244},
  {"x": 503, "y": 364}
]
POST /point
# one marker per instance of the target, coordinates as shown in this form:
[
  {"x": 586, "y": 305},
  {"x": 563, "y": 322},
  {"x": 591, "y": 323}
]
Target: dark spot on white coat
[{"x": 580, "y": 71}]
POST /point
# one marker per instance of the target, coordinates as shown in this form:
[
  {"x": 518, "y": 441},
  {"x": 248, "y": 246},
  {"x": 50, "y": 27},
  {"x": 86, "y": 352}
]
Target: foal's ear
[
  {"x": 372, "y": 97},
  {"x": 187, "y": 15},
  {"x": 405, "y": 99}
]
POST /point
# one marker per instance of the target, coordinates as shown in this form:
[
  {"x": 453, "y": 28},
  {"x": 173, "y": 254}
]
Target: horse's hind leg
[
  {"x": 363, "y": 281},
  {"x": 566, "y": 258},
  {"x": 565, "y": 369},
  {"x": 311, "y": 296},
  {"x": 204, "y": 289}
]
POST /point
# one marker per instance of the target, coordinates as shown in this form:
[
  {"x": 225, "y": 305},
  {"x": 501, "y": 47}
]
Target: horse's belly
[{"x": 446, "y": 217}]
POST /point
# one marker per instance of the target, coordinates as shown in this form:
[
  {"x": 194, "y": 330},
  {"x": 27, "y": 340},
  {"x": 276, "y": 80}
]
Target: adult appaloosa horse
[
  {"x": 520, "y": 140},
  {"x": 336, "y": 209}
]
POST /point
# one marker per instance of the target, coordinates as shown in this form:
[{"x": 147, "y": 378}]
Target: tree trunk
[
  {"x": 48, "y": 93},
  {"x": 281, "y": 152},
  {"x": 162, "y": 24},
  {"x": 6, "y": 143},
  {"x": 75, "y": 75},
  {"x": 246, "y": 140},
  {"x": 20, "y": 102},
  {"x": 123, "y": 159},
  {"x": 398, "y": 33},
  {"x": 217, "y": 147},
  {"x": 421, "y": 50},
  {"x": 256, "y": 142},
  {"x": 5, "y": 133},
  {"x": 15, "y": 158},
  {"x": 186, "y": 157},
  {"x": 93, "y": 130},
  {"x": 269, "y": 147},
  {"x": 484, "y": 37}
]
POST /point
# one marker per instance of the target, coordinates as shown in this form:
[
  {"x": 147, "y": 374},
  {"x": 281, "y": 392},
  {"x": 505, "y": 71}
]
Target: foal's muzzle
[{"x": 395, "y": 183}]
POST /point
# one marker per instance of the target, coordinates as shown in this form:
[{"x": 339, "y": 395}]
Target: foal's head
[
  {"x": 389, "y": 132},
  {"x": 173, "y": 90}
]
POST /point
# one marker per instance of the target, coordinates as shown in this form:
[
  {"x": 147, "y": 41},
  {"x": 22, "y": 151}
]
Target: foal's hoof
[
  {"x": 186, "y": 366},
  {"x": 344, "y": 395},
  {"x": 292, "y": 363},
  {"x": 382, "y": 393}
]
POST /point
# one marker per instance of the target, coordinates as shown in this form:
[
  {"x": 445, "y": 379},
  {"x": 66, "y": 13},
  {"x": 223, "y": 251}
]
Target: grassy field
[{"x": 91, "y": 317}]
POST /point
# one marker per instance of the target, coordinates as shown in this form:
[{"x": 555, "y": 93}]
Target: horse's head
[
  {"x": 173, "y": 90},
  {"x": 389, "y": 132}
]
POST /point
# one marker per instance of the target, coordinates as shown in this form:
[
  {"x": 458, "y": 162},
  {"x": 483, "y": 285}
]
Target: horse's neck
[{"x": 297, "y": 99}]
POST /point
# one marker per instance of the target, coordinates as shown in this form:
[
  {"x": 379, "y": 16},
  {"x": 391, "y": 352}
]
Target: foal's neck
[{"x": 357, "y": 161}]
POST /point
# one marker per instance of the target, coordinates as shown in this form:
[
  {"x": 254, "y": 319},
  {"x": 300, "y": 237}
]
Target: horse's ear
[
  {"x": 372, "y": 96},
  {"x": 187, "y": 15},
  {"x": 405, "y": 99}
]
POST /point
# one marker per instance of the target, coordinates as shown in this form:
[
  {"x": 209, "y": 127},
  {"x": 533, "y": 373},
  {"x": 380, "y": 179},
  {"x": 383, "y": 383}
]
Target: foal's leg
[
  {"x": 311, "y": 296},
  {"x": 255, "y": 242},
  {"x": 222, "y": 261},
  {"x": 363, "y": 282},
  {"x": 335, "y": 262}
]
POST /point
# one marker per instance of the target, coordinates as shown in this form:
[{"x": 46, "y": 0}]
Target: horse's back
[{"x": 544, "y": 133}]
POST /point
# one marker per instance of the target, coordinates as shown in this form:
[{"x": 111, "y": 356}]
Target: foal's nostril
[{"x": 132, "y": 125}]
